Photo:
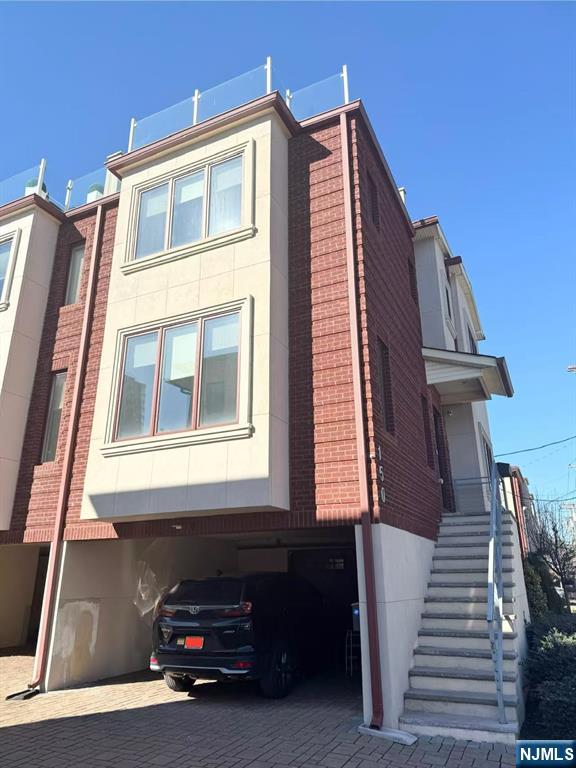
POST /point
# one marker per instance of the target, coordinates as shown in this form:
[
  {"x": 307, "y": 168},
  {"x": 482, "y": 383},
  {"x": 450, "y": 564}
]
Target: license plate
[{"x": 194, "y": 643}]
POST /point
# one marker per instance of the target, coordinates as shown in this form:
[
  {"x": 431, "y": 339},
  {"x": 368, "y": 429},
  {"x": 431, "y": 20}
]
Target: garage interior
[
  {"x": 22, "y": 580},
  {"x": 108, "y": 590}
]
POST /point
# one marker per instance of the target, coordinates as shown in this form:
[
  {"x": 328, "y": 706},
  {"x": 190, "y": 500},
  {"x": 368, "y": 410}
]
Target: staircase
[{"x": 452, "y": 688}]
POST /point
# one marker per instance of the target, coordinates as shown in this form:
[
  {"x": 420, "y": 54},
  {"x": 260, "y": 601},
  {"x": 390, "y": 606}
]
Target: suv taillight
[{"x": 237, "y": 611}]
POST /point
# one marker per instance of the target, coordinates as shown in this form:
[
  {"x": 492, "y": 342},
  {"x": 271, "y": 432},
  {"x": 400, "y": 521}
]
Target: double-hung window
[
  {"x": 180, "y": 377},
  {"x": 74, "y": 274},
  {"x": 5, "y": 250},
  {"x": 189, "y": 208},
  {"x": 52, "y": 427}
]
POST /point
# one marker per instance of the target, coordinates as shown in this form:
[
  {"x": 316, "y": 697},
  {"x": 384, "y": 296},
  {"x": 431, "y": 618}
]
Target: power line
[{"x": 537, "y": 448}]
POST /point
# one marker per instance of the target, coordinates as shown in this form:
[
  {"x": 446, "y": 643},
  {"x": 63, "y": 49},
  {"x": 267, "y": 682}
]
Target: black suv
[{"x": 263, "y": 626}]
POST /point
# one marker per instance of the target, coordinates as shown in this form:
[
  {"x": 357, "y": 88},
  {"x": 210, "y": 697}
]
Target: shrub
[
  {"x": 555, "y": 603},
  {"x": 534, "y": 592},
  {"x": 553, "y": 658},
  {"x": 558, "y": 708}
]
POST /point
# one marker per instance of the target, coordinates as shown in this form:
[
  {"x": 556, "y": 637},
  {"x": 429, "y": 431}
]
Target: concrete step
[
  {"x": 449, "y": 538},
  {"x": 457, "y": 679},
  {"x": 460, "y": 621},
  {"x": 454, "y": 702},
  {"x": 460, "y": 574},
  {"x": 462, "y": 658},
  {"x": 479, "y": 562},
  {"x": 464, "y": 638},
  {"x": 468, "y": 549},
  {"x": 451, "y": 527},
  {"x": 465, "y": 589},
  {"x": 459, "y": 727},
  {"x": 456, "y": 605},
  {"x": 457, "y": 519}
]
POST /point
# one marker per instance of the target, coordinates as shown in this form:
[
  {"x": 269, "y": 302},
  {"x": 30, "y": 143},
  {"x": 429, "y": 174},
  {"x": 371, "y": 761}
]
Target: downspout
[
  {"x": 365, "y": 506},
  {"x": 69, "y": 448}
]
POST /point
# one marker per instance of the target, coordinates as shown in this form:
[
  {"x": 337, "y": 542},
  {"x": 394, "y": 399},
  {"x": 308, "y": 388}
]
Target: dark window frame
[
  {"x": 73, "y": 248},
  {"x": 374, "y": 202},
  {"x": 427, "y": 432},
  {"x": 386, "y": 389}
]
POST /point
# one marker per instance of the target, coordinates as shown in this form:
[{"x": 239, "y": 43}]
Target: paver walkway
[{"x": 136, "y": 722}]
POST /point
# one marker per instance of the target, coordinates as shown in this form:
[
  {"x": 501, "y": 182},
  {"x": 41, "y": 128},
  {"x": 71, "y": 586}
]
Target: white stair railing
[{"x": 495, "y": 601}]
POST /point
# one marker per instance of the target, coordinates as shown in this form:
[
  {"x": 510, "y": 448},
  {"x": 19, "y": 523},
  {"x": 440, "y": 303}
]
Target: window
[
  {"x": 5, "y": 248},
  {"x": 225, "y": 196},
  {"x": 373, "y": 201},
  {"x": 180, "y": 377},
  {"x": 413, "y": 281},
  {"x": 386, "y": 388},
  {"x": 427, "y": 431},
  {"x": 448, "y": 302},
  {"x": 172, "y": 214},
  {"x": 472, "y": 342},
  {"x": 54, "y": 415},
  {"x": 74, "y": 274}
]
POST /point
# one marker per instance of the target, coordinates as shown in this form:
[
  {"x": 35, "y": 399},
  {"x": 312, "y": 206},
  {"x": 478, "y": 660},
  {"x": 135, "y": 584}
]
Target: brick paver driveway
[{"x": 136, "y": 722}]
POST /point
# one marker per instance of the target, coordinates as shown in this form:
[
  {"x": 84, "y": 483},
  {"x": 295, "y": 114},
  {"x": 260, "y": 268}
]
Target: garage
[
  {"x": 22, "y": 579},
  {"x": 108, "y": 592}
]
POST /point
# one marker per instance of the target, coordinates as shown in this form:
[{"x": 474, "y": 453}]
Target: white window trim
[
  {"x": 243, "y": 428},
  {"x": 5, "y": 295},
  {"x": 247, "y": 226}
]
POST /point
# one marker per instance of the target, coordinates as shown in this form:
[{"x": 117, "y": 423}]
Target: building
[{"x": 238, "y": 352}]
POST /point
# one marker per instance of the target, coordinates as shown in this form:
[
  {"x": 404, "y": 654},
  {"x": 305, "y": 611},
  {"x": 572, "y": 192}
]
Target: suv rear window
[{"x": 224, "y": 591}]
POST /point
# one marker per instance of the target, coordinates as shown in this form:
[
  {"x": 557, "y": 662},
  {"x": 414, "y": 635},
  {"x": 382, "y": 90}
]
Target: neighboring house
[{"x": 248, "y": 358}]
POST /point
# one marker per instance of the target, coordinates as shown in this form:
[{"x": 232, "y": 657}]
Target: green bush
[
  {"x": 558, "y": 708},
  {"x": 554, "y": 658},
  {"x": 551, "y": 669},
  {"x": 534, "y": 592}
]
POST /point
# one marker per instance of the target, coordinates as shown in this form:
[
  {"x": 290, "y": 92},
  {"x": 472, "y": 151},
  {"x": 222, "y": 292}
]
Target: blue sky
[{"x": 473, "y": 103}]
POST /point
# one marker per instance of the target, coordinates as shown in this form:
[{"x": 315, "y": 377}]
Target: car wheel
[
  {"x": 180, "y": 684},
  {"x": 278, "y": 679}
]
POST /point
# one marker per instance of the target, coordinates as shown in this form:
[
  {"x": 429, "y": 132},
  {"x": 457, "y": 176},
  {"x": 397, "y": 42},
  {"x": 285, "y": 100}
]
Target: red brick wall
[
  {"x": 390, "y": 313},
  {"x": 323, "y": 465}
]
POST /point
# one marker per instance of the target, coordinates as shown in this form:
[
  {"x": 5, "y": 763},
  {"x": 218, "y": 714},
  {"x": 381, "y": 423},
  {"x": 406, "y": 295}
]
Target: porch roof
[{"x": 462, "y": 377}]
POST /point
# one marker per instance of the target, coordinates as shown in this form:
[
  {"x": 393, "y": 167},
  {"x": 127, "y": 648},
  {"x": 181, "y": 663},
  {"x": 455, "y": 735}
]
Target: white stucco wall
[
  {"x": 103, "y": 620},
  {"x": 18, "y": 564},
  {"x": 21, "y": 323},
  {"x": 233, "y": 472},
  {"x": 402, "y": 564}
]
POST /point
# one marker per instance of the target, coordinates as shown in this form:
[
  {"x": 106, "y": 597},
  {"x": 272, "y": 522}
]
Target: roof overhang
[
  {"x": 461, "y": 377},
  {"x": 28, "y": 204},
  {"x": 121, "y": 165}
]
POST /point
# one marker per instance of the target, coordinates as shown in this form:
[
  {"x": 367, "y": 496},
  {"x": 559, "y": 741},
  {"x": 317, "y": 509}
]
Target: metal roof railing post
[
  {"x": 268, "y": 74},
  {"x": 131, "y": 136},
  {"x": 345, "y": 79},
  {"x": 41, "y": 174},
  {"x": 195, "y": 100},
  {"x": 69, "y": 186}
]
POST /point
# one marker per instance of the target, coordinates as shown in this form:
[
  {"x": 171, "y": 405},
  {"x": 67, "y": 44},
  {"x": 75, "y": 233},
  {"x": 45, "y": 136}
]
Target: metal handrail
[{"x": 495, "y": 599}]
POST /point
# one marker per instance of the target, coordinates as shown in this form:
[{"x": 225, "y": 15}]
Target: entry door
[{"x": 442, "y": 461}]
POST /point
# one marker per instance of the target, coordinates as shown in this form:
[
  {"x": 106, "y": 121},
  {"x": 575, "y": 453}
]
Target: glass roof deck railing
[
  {"x": 88, "y": 188},
  {"x": 24, "y": 183},
  {"x": 305, "y": 102},
  {"x": 319, "y": 97}
]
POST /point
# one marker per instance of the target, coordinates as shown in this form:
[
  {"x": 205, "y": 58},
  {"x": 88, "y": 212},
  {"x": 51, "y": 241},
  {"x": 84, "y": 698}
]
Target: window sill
[
  {"x": 178, "y": 440},
  {"x": 135, "y": 265}
]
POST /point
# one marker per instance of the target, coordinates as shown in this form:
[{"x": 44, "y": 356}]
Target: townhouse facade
[{"x": 241, "y": 354}]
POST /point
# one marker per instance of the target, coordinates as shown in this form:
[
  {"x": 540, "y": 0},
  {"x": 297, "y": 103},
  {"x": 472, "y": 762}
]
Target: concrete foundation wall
[
  {"x": 402, "y": 563},
  {"x": 18, "y": 564},
  {"x": 107, "y": 592}
]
